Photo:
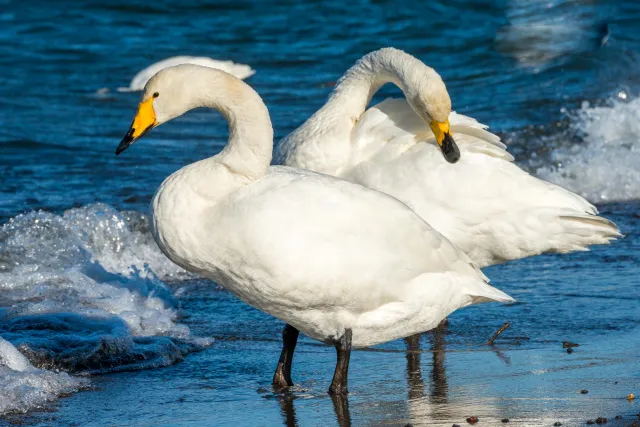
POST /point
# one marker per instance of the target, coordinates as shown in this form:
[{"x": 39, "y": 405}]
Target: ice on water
[{"x": 83, "y": 292}]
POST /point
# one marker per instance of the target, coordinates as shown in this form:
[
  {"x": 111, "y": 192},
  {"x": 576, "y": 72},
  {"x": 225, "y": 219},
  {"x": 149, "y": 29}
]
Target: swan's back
[
  {"x": 313, "y": 225},
  {"x": 485, "y": 203}
]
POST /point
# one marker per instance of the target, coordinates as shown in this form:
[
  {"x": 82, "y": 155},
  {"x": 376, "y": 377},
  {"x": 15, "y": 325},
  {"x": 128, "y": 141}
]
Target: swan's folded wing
[
  {"x": 485, "y": 203},
  {"x": 312, "y": 233},
  {"x": 391, "y": 127}
]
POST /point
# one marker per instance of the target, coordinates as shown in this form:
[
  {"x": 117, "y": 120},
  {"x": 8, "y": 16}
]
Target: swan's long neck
[
  {"x": 249, "y": 149},
  {"x": 250, "y": 145},
  {"x": 355, "y": 89},
  {"x": 323, "y": 142}
]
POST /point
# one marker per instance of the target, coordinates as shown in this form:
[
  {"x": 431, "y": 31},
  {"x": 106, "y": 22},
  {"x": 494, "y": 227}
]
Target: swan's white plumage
[
  {"x": 318, "y": 252},
  {"x": 485, "y": 204},
  {"x": 241, "y": 71}
]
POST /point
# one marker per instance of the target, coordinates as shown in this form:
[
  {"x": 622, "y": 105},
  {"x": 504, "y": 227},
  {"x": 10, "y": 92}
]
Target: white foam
[
  {"x": 25, "y": 387},
  {"x": 605, "y": 165},
  {"x": 84, "y": 292}
]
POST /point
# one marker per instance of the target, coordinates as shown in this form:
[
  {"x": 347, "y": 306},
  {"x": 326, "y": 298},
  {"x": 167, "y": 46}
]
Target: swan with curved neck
[
  {"x": 484, "y": 204},
  {"x": 341, "y": 263},
  {"x": 422, "y": 87}
]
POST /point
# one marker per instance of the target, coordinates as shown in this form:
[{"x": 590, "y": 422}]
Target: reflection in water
[
  {"x": 414, "y": 370},
  {"x": 435, "y": 405},
  {"x": 287, "y": 408},
  {"x": 439, "y": 386},
  {"x": 341, "y": 406},
  {"x": 285, "y": 399}
]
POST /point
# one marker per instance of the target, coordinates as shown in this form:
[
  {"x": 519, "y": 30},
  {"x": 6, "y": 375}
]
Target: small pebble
[
  {"x": 557, "y": 424},
  {"x": 569, "y": 350},
  {"x": 505, "y": 420},
  {"x": 569, "y": 344},
  {"x": 601, "y": 420},
  {"x": 630, "y": 396},
  {"x": 472, "y": 420},
  {"x": 618, "y": 417},
  {"x": 584, "y": 391},
  {"x": 590, "y": 422}
]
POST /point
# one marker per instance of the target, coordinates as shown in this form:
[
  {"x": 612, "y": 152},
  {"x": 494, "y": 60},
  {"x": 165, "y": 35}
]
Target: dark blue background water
[{"x": 523, "y": 67}]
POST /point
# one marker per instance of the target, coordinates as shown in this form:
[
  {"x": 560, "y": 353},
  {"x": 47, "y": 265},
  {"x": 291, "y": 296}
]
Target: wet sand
[{"x": 432, "y": 383}]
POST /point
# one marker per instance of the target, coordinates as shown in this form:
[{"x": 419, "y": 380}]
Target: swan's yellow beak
[
  {"x": 448, "y": 146},
  {"x": 144, "y": 121}
]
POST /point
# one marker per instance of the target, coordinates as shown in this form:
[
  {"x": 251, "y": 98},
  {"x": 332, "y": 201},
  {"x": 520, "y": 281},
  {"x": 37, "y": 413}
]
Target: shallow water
[{"x": 103, "y": 317}]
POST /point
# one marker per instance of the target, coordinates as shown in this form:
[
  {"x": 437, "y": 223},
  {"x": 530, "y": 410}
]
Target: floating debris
[
  {"x": 601, "y": 420},
  {"x": 618, "y": 417},
  {"x": 473, "y": 420},
  {"x": 569, "y": 350},
  {"x": 630, "y": 396},
  {"x": 505, "y": 420},
  {"x": 584, "y": 391},
  {"x": 590, "y": 422},
  {"x": 569, "y": 344},
  {"x": 498, "y": 332},
  {"x": 557, "y": 424}
]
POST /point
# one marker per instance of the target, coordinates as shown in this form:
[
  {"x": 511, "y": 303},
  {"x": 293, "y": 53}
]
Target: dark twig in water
[{"x": 498, "y": 332}]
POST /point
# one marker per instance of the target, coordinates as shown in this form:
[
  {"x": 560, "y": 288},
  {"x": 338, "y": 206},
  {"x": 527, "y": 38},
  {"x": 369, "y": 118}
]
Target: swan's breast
[{"x": 177, "y": 217}]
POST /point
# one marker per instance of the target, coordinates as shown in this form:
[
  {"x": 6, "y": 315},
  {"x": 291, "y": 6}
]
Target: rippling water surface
[{"x": 91, "y": 310}]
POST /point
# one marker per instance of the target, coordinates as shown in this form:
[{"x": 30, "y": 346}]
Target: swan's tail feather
[
  {"x": 583, "y": 230},
  {"x": 483, "y": 292}
]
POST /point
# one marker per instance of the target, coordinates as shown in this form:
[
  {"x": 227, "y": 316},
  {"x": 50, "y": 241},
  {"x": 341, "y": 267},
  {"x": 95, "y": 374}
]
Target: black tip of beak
[
  {"x": 126, "y": 141},
  {"x": 450, "y": 150}
]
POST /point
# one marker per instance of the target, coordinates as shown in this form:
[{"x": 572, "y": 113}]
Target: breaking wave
[
  {"x": 83, "y": 293},
  {"x": 604, "y": 164}
]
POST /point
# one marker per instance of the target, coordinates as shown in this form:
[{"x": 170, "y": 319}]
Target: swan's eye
[{"x": 156, "y": 94}]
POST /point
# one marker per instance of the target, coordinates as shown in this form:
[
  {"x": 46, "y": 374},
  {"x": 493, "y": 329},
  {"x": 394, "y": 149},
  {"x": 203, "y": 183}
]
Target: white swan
[
  {"x": 241, "y": 71},
  {"x": 341, "y": 263},
  {"x": 484, "y": 203}
]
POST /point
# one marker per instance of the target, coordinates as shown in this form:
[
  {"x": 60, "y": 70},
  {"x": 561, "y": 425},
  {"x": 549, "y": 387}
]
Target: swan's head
[
  {"x": 167, "y": 95},
  {"x": 430, "y": 100}
]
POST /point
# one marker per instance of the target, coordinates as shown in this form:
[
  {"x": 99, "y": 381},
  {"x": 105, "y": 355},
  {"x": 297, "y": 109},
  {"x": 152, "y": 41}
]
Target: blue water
[{"x": 84, "y": 290}]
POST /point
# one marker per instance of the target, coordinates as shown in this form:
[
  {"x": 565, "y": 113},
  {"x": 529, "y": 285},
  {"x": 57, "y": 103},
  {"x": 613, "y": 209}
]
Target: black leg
[
  {"x": 343, "y": 350},
  {"x": 282, "y": 377}
]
